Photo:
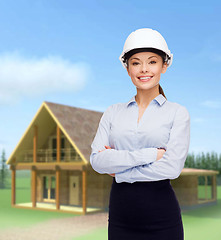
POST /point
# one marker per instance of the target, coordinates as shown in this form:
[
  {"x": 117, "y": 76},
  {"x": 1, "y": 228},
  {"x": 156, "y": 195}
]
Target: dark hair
[
  {"x": 137, "y": 50},
  {"x": 154, "y": 50},
  {"x": 161, "y": 91}
]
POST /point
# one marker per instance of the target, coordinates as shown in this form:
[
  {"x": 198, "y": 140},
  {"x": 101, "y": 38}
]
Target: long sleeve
[
  {"x": 172, "y": 162},
  {"x": 111, "y": 160}
]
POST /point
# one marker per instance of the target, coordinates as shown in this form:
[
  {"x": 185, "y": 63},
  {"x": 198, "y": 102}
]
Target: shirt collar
[{"x": 160, "y": 99}]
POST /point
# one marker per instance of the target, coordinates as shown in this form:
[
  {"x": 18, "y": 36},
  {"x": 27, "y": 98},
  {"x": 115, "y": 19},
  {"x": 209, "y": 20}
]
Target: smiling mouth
[{"x": 144, "y": 79}]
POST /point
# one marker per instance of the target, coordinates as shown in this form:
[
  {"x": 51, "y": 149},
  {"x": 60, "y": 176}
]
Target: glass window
[
  {"x": 45, "y": 187},
  {"x": 49, "y": 186}
]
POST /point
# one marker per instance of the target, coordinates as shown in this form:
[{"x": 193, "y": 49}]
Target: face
[{"x": 145, "y": 69}]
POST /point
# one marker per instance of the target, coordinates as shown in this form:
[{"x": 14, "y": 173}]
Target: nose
[{"x": 144, "y": 68}]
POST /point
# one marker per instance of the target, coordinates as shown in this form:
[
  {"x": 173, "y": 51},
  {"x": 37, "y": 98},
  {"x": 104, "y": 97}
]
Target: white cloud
[
  {"x": 212, "y": 104},
  {"x": 22, "y": 77}
]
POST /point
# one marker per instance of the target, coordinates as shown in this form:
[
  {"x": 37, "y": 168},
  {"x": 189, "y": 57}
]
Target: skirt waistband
[{"x": 150, "y": 183}]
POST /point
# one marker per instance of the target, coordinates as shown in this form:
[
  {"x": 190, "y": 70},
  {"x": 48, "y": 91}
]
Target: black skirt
[{"x": 144, "y": 211}]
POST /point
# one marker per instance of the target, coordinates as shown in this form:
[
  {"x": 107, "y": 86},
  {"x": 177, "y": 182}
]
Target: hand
[
  {"x": 160, "y": 153},
  {"x": 106, "y": 147},
  {"x": 112, "y": 174}
]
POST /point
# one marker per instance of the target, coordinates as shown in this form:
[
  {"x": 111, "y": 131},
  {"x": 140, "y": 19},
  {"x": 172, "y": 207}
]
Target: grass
[
  {"x": 99, "y": 234},
  {"x": 16, "y": 217},
  {"x": 203, "y": 223}
]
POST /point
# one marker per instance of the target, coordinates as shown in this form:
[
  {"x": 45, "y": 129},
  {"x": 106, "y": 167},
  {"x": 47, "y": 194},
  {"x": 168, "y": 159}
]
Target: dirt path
[{"x": 57, "y": 229}]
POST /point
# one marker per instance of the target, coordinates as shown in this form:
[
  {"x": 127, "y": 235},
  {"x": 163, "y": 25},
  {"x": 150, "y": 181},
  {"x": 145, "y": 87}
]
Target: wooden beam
[
  {"x": 33, "y": 187},
  {"x": 84, "y": 191},
  {"x": 51, "y": 166},
  {"x": 70, "y": 167},
  {"x": 214, "y": 192},
  {"x": 58, "y": 144},
  {"x": 198, "y": 172},
  {"x": 206, "y": 184},
  {"x": 13, "y": 192},
  {"x": 57, "y": 190},
  {"x": 23, "y": 167},
  {"x": 46, "y": 167},
  {"x": 35, "y": 140}
]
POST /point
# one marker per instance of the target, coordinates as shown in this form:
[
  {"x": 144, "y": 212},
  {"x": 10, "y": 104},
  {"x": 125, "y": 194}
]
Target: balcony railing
[{"x": 50, "y": 155}]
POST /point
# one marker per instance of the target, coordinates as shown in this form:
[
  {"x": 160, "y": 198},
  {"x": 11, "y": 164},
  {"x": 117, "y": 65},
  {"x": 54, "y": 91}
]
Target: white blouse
[{"x": 134, "y": 145}]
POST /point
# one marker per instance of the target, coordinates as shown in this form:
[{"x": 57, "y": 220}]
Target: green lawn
[
  {"x": 16, "y": 217},
  {"x": 11, "y": 217}
]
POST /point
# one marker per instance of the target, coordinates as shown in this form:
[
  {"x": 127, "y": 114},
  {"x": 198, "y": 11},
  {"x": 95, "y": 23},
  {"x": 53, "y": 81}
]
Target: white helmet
[{"x": 146, "y": 38}]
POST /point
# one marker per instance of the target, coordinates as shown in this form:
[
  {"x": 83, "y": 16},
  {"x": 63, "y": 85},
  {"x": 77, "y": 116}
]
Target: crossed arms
[{"x": 146, "y": 164}]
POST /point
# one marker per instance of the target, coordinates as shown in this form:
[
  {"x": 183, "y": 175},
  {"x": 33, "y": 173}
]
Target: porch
[
  {"x": 52, "y": 207},
  {"x": 53, "y": 189}
]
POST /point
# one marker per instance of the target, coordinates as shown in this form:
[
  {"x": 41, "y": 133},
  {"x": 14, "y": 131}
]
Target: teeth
[{"x": 143, "y": 78}]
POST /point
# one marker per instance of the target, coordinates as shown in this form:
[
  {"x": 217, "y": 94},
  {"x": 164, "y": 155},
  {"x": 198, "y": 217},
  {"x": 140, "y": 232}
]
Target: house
[
  {"x": 193, "y": 193},
  {"x": 56, "y": 148}
]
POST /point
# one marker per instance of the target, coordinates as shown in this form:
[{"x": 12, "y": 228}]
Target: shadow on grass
[{"x": 213, "y": 212}]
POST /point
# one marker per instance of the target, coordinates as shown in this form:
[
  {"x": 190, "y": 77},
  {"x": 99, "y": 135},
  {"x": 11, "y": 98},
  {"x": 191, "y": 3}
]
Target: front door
[
  {"x": 49, "y": 183},
  {"x": 74, "y": 190}
]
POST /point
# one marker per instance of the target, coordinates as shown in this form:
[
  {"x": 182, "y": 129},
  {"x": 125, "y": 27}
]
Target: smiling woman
[
  {"x": 145, "y": 70},
  {"x": 143, "y": 144}
]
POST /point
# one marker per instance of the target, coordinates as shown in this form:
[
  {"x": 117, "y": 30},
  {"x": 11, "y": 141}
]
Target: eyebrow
[{"x": 139, "y": 59}]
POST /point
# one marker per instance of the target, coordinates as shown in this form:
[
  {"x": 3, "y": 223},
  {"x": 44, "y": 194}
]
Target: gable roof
[{"x": 78, "y": 125}]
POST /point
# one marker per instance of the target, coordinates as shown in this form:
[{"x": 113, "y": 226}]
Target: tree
[
  {"x": 190, "y": 161},
  {"x": 198, "y": 161},
  {"x": 203, "y": 161},
  {"x": 211, "y": 161},
  {"x": 214, "y": 161},
  {"x": 3, "y": 170}
]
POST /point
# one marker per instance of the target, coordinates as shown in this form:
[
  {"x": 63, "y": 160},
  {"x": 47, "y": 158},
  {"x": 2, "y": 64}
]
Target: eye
[
  {"x": 152, "y": 62},
  {"x": 135, "y": 63}
]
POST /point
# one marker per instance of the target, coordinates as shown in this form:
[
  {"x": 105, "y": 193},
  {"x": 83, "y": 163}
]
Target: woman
[{"x": 143, "y": 144}]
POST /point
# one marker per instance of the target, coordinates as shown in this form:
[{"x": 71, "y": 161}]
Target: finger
[{"x": 162, "y": 149}]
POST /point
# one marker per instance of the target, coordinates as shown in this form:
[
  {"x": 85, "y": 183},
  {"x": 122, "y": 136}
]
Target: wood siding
[
  {"x": 97, "y": 188},
  {"x": 186, "y": 189}
]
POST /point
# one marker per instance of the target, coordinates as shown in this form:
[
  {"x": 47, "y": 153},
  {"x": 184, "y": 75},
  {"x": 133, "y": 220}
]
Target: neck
[{"x": 144, "y": 97}]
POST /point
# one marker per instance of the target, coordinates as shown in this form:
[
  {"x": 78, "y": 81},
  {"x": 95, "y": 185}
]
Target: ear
[{"x": 164, "y": 69}]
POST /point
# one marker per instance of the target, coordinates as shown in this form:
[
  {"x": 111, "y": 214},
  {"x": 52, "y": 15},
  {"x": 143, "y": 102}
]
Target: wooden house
[
  {"x": 56, "y": 148},
  {"x": 193, "y": 194}
]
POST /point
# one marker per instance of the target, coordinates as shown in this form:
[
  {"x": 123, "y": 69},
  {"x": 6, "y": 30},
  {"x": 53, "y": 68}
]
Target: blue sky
[{"x": 67, "y": 52}]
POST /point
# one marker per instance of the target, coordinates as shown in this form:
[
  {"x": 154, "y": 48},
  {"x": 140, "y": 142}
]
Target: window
[
  {"x": 49, "y": 186},
  {"x": 54, "y": 149}
]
